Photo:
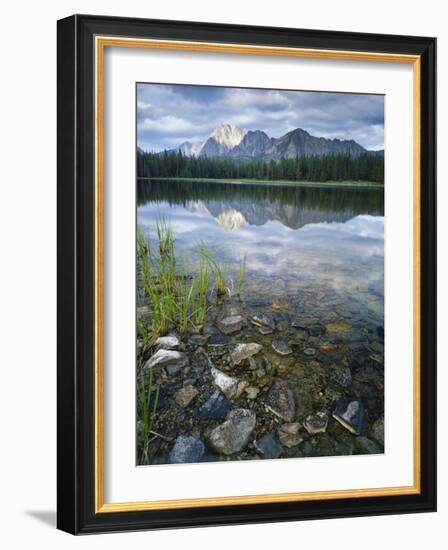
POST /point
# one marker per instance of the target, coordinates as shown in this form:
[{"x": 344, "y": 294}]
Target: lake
[{"x": 315, "y": 262}]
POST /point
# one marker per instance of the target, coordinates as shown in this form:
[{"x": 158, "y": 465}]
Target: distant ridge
[{"x": 229, "y": 141}]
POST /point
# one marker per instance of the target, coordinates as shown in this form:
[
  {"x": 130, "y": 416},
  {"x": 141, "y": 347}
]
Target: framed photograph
[{"x": 246, "y": 274}]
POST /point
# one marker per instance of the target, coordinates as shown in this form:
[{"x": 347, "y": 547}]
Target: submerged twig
[{"x": 164, "y": 437}]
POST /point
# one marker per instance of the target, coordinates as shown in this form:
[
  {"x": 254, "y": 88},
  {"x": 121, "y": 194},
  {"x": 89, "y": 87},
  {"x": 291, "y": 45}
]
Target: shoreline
[{"x": 318, "y": 184}]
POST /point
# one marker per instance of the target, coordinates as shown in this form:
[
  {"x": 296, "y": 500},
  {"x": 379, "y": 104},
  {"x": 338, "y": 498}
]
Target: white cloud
[{"x": 191, "y": 112}]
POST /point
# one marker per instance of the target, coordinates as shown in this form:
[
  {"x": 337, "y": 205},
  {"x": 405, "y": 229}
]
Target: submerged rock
[
  {"x": 269, "y": 446},
  {"x": 350, "y": 413},
  {"x": 164, "y": 358},
  {"x": 168, "y": 342},
  {"x": 281, "y": 347},
  {"x": 378, "y": 430},
  {"x": 198, "y": 339},
  {"x": 316, "y": 330},
  {"x": 233, "y": 435},
  {"x": 216, "y": 405},
  {"x": 342, "y": 375},
  {"x": 195, "y": 329},
  {"x": 316, "y": 423},
  {"x": 308, "y": 449},
  {"x": 252, "y": 392},
  {"x": 290, "y": 427},
  {"x": 304, "y": 322},
  {"x": 281, "y": 401},
  {"x": 283, "y": 303},
  {"x": 366, "y": 446},
  {"x": 231, "y": 324},
  {"x": 260, "y": 372},
  {"x": 264, "y": 320},
  {"x": 186, "y": 449},
  {"x": 200, "y": 360},
  {"x": 186, "y": 395},
  {"x": 244, "y": 351},
  {"x": 225, "y": 383},
  {"x": 329, "y": 348},
  {"x": 252, "y": 364},
  {"x": 338, "y": 326},
  {"x": 218, "y": 339},
  {"x": 288, "y": 434},
  {"x": 309, "y": 351}
]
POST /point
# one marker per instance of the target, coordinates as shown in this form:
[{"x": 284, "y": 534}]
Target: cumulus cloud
[{"x": 168, "y": 115}]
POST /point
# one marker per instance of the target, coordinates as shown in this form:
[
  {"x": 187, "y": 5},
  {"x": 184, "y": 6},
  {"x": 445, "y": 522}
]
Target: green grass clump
[
  {"x": 165, "y": 237},
  {"x": 217, "y": 269},
  {"x": 178, "y": 299},
  {"x": 146, "y": 413},
  {"x": 241, "y": 274},
  {"x": 199, "y": 305},
  {"x": 179, "y": 296},
  {"x": 185, "y": 293}
]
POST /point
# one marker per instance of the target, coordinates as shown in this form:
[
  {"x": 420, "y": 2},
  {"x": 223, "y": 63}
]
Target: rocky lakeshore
[{"x": 281, "y": 374}]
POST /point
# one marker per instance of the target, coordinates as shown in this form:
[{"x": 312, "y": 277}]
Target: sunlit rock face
[
  {"x": 222, "y": 140},
  {"x": 228, "y": 134}
]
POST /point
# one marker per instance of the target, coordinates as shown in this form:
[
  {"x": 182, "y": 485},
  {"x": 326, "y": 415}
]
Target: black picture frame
[{"x": 76, "y": 254}]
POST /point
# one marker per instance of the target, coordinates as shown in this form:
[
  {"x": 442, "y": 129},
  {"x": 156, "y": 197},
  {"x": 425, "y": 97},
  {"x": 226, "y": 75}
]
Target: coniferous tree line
[
  {"x": 304, "y": 168},
  {"x": 355, "y": 201}
]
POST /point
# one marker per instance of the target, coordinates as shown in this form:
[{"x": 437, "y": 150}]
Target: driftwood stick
[{"x": 160, "y": 435}]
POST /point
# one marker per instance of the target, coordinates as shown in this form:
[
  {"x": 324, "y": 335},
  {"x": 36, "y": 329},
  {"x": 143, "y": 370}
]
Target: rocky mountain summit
[
  {"x": 222, "y": 141},
  {"x": 253, "y": 145},
  {"x": 299, "y": 142},
  {"x": 229, "y": 141}
]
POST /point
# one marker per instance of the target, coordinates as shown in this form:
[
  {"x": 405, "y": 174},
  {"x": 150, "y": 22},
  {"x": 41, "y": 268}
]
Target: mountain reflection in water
[{"x": 293, "y": 237}]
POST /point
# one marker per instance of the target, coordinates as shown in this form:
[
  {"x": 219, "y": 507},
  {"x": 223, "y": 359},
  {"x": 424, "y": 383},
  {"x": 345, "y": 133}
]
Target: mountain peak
[
  {"x": 230, "y": 141},
  {"x": 228, "y": 134},
  {"x": 298, "y": 131}
]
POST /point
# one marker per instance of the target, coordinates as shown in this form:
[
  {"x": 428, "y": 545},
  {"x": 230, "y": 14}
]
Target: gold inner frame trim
[{"x": 101, "y": 42}]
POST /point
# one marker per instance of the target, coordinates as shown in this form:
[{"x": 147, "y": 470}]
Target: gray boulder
[
  {"x": 289, "y": 434},
  {"x": 269, "y": 446},
  {"x": 281, "y": 401},
  {"x": 216, "y": 405},
  {"x": 264, "y": 320},
  {"x": 165, "y": 358},
  {"x": 186, "y": 449},
  {"x": 225, "y": 383},
  {"x": 185, "y": 395},
  {"x": 350, "y": 413},
  {"x": 231, "y": 324},
  {"x": 168, "y": 342},
  {"x": 316, "y": 423},
  {"x": 281, "y": 347},
  {"x": 243, "y": 351},
  {"x": 342, "y": 375},
  {"x": 233, "y": 435}
]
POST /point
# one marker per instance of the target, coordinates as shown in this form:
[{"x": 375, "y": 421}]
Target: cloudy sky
[{"x": 168, "y": 115}]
